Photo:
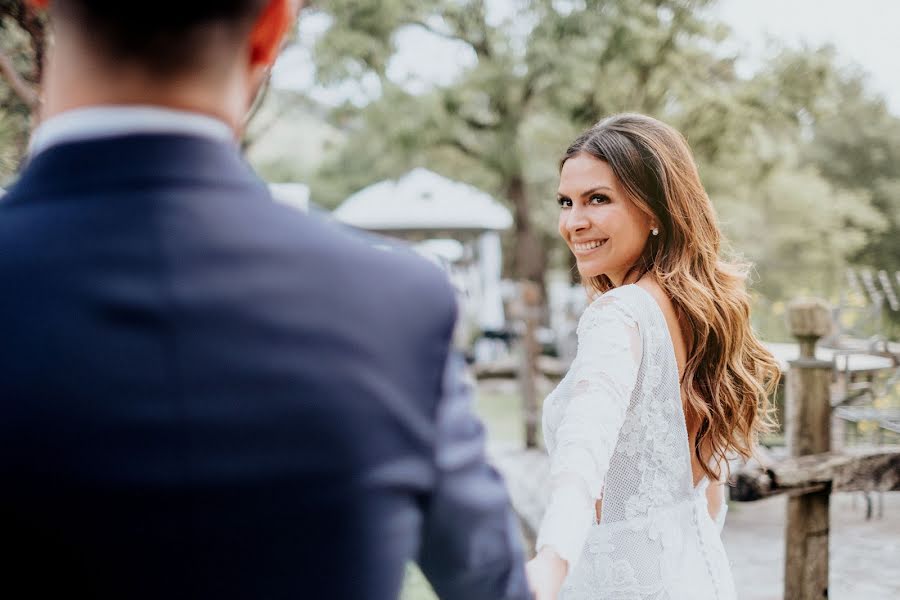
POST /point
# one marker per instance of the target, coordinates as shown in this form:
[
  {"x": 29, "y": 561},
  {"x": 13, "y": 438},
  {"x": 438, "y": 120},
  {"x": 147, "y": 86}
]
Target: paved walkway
[{"x": 865, "y": 555}]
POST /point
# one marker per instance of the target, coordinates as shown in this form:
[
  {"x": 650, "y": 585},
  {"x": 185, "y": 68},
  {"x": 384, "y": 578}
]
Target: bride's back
[
  {"x": 655, "y": 533},
  {"x": 651, "y": 466}
]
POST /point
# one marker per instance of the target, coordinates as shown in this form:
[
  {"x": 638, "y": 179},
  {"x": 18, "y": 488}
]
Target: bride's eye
[
  {"x": 564, "y": 202},
  {"x": 599, "y": 199}
]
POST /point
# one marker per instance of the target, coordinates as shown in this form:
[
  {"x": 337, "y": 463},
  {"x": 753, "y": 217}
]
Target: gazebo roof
[{"x": 422, "y": 200}]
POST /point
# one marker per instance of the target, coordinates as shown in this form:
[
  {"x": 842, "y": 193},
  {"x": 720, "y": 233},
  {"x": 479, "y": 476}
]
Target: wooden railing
[{"x": 812, "y": 472}]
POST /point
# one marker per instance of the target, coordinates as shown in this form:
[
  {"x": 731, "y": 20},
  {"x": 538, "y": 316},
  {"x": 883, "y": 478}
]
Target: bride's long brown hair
[{"x": 729, "y": 375}]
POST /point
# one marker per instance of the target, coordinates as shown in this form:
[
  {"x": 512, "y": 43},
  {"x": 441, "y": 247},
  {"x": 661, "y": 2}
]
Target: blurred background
[{"x": 442, "y": 122}]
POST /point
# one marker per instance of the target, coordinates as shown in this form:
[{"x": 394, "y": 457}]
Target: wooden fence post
[{"x": 808, "y": 420}]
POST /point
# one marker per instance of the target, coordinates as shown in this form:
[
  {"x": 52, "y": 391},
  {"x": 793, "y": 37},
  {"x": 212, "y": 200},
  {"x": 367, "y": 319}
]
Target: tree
[
  {"x": 538, "y": 79},
  {"x": 22, "y": 41},
  {"x": 856, "y": 145},
  {"x": 23, "y": 72}
]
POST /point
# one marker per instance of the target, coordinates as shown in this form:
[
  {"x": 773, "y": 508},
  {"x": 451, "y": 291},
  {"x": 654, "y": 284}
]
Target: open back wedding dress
[{"x": 615, "y": 430}]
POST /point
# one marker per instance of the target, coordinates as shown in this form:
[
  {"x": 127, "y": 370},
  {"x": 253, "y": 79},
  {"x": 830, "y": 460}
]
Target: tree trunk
[
  {"x": 530, "y": 309},
  {"x": 530, "y": 260}
]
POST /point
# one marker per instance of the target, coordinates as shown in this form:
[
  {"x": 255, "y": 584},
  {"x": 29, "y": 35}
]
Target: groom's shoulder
[
  {"x": 371, "y": 266},
  {"x": 394, "y": 267}
]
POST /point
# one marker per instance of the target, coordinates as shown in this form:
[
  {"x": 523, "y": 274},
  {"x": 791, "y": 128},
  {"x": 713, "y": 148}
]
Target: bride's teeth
[{"x": 589, "y": 245}]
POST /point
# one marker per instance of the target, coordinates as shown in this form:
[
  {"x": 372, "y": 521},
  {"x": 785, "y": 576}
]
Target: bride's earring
[{"x": 655, "y": 231}]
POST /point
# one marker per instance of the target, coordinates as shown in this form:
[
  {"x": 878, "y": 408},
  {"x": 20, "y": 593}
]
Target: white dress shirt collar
[{"x": 113, "y": 121}]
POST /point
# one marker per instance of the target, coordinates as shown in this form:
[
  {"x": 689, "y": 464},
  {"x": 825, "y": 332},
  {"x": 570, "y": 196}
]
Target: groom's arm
[{"x": 471, "y": 546}]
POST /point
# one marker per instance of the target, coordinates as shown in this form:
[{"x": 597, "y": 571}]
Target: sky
[{"x": 866, "y": 33}]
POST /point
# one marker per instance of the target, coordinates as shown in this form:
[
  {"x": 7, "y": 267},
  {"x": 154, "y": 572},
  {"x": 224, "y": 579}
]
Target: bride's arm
[
  {"x": 715, "y": 501},
  {"x": 603, "y": 376}
]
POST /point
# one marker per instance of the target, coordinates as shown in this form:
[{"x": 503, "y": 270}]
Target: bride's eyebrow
[{"x": 594, "y": 190}]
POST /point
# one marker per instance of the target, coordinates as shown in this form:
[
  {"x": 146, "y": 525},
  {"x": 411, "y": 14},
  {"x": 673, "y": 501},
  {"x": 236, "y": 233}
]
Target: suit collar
[
  {"x": 94, "y": 122},
  {"x": 134, "y": 160}
]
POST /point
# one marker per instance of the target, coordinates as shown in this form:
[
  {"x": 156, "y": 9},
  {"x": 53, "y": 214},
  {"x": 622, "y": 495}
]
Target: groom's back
[{"x": 205, "y": 394}]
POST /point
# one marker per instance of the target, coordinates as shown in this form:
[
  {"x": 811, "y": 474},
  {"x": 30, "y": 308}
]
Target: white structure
[
  {"x": 423, "y": 205},
  {"x": 292, "y": 194},
  {"x": 442, "y": 250},
  {"x": 843, "y": 360},
  {"x": 422, "y": 200}
]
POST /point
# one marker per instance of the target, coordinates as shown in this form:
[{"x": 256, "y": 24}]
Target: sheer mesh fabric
[{"x": 615, "y": 431}]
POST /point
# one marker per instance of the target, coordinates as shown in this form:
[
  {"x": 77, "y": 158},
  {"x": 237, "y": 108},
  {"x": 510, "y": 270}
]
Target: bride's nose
[{"x": 576, "y": 220}]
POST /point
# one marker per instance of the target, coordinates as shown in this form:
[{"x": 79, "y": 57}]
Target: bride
[{"x": 669, "y": 379}]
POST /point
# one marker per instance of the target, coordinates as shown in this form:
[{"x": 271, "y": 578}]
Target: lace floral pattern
[{"x": 615, "y": 425}]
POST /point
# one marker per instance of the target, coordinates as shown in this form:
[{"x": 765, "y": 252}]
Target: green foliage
[
  {"x": 796, "y": 228},
  {"x": 15, "y": 115},
  {"x": 415, "y": 586},
  {"x": 11, "y": 134},
  {"x": 857, "y": 146},
  {"x": 766, "y": 145},
  {"x": 539, "y": 78},
  {"x": 286, "y": 141}
]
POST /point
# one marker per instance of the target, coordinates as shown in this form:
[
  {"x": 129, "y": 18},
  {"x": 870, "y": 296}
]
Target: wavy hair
[{"x": 729, "y": 375}]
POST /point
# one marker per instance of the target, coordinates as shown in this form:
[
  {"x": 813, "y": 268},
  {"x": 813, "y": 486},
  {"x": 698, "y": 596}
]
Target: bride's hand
[{"x": 546, "y": 573}]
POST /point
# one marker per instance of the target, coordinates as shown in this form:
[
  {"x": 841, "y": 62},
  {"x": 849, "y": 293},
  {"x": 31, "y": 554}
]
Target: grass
[
  {"x": 415, "y": 586},
  {"x": 501, "y": 413}
]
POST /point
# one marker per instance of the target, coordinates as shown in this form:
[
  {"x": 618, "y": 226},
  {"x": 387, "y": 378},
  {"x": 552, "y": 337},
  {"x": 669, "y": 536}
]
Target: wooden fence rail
[
  {"x": 873, "y": 471},
  {"x": 812, "y": 472}
]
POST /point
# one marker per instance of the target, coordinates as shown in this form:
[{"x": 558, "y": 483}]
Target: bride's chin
[
  {"x": 588, "y": 271},
  {"x": 589, "y": 275}
]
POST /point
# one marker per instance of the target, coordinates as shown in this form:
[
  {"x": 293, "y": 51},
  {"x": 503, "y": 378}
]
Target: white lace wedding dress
[{"x": 615, "y": 430}]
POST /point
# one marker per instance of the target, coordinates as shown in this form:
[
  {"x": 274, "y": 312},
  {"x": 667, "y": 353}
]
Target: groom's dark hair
[{"x": 165, "y": 36}]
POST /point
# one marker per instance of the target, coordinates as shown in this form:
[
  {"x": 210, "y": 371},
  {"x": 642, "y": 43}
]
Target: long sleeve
[
  {"x": 598, "y": 389},
  {"x": 471, "y": 546}
]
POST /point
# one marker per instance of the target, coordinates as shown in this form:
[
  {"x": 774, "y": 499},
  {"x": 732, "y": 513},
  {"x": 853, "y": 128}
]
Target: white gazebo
[
  {"x": 423, "y": 201},
  {"x": 423, "y": 206}
]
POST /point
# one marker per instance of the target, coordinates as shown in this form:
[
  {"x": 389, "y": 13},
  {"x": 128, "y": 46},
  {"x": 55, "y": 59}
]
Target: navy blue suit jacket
[{"x": 207, "y": 395}]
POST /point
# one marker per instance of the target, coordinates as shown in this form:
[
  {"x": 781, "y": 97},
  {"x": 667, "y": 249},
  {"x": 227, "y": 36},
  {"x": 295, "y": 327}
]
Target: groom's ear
[
  {"x": 269, "y": 30},
  {"x": 39, "y": 3}
]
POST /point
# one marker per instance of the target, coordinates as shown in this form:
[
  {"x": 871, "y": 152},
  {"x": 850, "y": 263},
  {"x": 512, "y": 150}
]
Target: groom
[{"x": 204, "y": 394}]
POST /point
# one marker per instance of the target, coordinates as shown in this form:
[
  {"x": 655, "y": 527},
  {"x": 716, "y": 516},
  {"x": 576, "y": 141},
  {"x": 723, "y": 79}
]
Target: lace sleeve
[{"x": 602, "y": 377}]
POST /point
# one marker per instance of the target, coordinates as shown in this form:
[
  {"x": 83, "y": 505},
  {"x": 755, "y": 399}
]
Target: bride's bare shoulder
[
  {"x": 679, "y": 339},
  {"x": 650, "y": 285}
]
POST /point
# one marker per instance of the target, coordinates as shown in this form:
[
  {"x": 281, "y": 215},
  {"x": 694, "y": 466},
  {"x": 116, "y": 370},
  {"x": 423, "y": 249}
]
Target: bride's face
[{"x": 603, "y": 228}]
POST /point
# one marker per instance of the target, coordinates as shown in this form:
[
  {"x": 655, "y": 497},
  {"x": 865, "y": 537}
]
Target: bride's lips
[{"x": 587, "y": 246}]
